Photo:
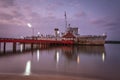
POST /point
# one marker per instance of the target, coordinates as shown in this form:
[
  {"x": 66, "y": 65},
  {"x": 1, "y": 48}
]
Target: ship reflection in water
[
  {"x": 73, "y": 53},
  {"x": 85, "y": 61}
]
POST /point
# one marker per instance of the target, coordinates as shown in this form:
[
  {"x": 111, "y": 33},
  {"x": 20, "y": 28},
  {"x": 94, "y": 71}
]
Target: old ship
[{"x": 71, "y": 33}]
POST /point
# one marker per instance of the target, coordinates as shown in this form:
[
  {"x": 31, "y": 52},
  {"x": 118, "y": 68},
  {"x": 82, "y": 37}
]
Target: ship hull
[{"x": 91, "y": 40}]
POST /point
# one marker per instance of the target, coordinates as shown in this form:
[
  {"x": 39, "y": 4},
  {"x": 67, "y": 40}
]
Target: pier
[{"x": 41, "y": 42}]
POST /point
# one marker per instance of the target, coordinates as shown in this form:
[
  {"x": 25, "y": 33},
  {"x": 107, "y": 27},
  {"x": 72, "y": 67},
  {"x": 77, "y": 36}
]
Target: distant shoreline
[{"x": 112, "y": 42}]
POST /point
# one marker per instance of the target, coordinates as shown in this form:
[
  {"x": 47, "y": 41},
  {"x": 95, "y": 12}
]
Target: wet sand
[{"x": 41, "y": 77}]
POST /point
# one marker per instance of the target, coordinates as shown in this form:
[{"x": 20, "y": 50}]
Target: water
[{"x": 86, "y": 61}]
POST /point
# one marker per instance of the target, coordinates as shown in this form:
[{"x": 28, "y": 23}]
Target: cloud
[
  {"x": 9, "y": 13},
  {"x": 80, "y": 14},
  {"x": 112, "y": 24},
  {"x": 6, "y": 3},
  {"x": 14, "y": 15},
  {"x": 14, "y": 19},
  {"x": 5, "y": 16},
  {"x": 11, "y": 16},
  {"x": 54, "y": 6},
  {"x": 97, "y": 21},
  {"x": 108, "y": 22},
  {"x": 112, "y": 21}
]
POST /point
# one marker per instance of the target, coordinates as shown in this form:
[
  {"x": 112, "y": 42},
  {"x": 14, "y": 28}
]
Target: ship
[{"x": 71, "y": 33}]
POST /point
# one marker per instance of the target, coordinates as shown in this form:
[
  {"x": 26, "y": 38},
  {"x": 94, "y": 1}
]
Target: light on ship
[{"x": 38, "y": 33}]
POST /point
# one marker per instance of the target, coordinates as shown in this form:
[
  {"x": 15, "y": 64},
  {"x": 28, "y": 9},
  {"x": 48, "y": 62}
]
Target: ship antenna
[{"x": 65, "y": 21}]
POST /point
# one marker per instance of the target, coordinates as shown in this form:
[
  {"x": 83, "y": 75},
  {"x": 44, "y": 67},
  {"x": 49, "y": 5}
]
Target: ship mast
[{"x": 65, "y": 21}]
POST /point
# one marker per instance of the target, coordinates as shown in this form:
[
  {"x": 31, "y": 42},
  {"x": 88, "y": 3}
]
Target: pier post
[
  {"x": 23, "y": 46},
  {"x": 31, "y": 46},
  {"x": 0, "y": 47},
  {"x": 4, "y": 47},
  {"x": 14, "y": 47}
]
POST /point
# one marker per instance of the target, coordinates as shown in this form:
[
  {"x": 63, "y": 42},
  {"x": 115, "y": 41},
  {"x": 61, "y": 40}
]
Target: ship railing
[{"x": 49, "y": 39}]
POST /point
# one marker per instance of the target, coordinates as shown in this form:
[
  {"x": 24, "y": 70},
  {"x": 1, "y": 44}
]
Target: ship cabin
[
  {"x": 68, "y": 36},
  {"x": 71, "y": 33}
]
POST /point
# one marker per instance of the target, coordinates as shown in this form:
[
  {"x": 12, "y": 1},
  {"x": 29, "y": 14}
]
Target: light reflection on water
[
  {"x": 38, "y": 55},
  {"x": 28, "y": 68},
  {"x": 103, "y": 56},
  {"x": 88, "y": 61}
]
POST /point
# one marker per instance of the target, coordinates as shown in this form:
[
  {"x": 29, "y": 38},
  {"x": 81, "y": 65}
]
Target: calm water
[{"x": 86, "y": 61}]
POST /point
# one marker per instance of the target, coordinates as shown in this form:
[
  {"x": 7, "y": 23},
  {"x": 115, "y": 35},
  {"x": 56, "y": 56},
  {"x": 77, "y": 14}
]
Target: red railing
[{"x": 36, "y": 41}]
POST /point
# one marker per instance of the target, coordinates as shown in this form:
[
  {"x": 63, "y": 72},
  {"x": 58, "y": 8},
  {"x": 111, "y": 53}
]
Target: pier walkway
[{"x": 41, "y": 42}]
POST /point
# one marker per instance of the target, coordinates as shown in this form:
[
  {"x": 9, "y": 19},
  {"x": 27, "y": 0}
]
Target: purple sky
[{"x": 93, "y": 17}]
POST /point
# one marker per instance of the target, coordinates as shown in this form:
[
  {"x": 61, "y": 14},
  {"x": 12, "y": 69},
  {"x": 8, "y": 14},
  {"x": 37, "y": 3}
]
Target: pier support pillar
[
  {"x": 4, "y": 47},
  {"x": 0, "y": 47},
  {"x": 31, "y": 46},
  {"x": 23, "y": 46},
  {"x": 14, "y": 47}
]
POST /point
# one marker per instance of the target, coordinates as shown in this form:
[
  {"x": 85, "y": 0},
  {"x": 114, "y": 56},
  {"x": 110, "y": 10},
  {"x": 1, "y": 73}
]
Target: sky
[{"x": 92, "y": 17}]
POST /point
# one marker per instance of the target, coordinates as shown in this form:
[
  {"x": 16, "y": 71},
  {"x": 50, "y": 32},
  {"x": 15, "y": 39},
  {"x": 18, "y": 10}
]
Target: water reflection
[
  {"x": 96, "y": 50},
  {"x": 63, "y": 59},
  {"x": 28, "y": 68},
  {"x": 69, "y": 52},
  {"x": 78, "y": 59},
  {"x": 57, "y": 57},
  {"x": 73, "y": 60},
  {"x": 103, "y": 56},
  {"x": 72, "y": 53},
  {"x": 38, "y": 55}
]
